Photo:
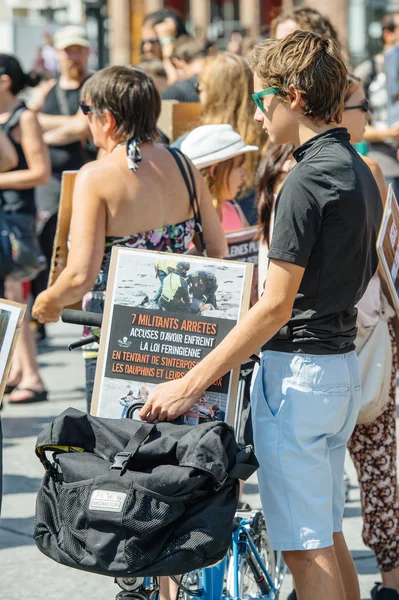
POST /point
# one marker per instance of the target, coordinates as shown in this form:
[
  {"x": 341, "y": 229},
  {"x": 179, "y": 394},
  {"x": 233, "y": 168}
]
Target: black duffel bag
[{"x": 125, "y": 498}]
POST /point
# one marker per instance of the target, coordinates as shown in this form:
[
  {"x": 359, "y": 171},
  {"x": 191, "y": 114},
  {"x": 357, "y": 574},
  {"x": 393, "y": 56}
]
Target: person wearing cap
[
  {"x": 219, "y": 153},
  {"x": 64, "y": 133}
]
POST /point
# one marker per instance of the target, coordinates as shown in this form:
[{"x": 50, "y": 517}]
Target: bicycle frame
[
  {"x": 240, "y": 548},
  {"x": 242, "y": 545}
]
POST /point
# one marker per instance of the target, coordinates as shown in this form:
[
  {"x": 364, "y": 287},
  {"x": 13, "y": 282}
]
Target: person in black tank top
[
  {"x": 17, "y": 196},
  {"x": 8, "y": 160},
  {"x": 58, "y": 110}
]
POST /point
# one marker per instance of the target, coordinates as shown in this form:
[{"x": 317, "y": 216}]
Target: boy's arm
[
  {"x": 262, "y": 322},
  {"x": 297, "y": 225}
]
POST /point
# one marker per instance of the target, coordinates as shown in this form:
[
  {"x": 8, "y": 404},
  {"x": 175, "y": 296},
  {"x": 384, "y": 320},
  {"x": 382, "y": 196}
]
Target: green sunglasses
[{"x": 258, "y": 97}]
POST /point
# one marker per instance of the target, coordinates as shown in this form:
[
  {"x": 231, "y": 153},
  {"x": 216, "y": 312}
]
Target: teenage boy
[{"x": 307, "y": 392}]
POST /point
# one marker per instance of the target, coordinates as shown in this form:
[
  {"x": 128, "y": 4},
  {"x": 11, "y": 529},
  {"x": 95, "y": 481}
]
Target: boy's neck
[{"x": 309, "y": 129}]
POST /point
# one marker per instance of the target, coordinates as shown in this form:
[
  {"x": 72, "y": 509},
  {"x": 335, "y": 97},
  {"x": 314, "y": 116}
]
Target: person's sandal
[
  {"x": 381, "y": 593},
  {"x": 37, "y": 396},
  {"x": 9, "y": 389},
  {"x": 292, "y": 595}
]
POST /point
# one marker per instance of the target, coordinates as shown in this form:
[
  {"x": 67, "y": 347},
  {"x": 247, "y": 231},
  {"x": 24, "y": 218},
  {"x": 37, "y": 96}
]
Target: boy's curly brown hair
[{"x": 312, "y": 64}]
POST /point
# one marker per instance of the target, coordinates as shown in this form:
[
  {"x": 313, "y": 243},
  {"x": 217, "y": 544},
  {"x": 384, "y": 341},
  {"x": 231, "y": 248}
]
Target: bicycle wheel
[
  {"x": 248, "y": 586},
  {"x": 281, "y": 569}
]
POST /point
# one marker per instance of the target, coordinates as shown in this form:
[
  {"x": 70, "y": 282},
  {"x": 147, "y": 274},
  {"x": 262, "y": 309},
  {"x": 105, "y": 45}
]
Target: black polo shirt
[{"x": 327, "y": 218}]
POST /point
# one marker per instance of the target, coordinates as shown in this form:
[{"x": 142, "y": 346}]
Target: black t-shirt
[
  {"x": 327, "y": 218},
  {"x": 183, "y": 91},
  {"x": 72, "y": 156}
]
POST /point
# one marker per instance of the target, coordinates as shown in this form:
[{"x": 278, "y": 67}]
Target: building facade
[
  {"x": 115, "y": 25},
  {"x": 36, "y": 11},
  {"x": 357, "y": 21},
  {"x": 23, "y": 24}
]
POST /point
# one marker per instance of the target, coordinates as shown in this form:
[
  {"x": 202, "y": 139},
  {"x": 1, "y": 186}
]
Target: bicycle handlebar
[{"x": 81, "y": 317}]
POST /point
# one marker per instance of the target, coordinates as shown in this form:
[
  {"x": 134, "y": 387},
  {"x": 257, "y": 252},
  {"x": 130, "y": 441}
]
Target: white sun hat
[{"x": 211, "y": 144}]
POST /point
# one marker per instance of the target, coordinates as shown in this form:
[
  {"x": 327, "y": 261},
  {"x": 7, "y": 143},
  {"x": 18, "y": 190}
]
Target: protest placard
[
  {"x": 244, "y": 246},
  {"x": 177, "y": 118},
  {"x": 11, "y": 317},
  {"x": 163, "y": 314},
  {"x": 388, "y": 246}
]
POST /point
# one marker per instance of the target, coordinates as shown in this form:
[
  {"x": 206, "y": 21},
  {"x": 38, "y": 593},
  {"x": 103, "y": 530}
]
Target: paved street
[{"x": 24, "y": 571}]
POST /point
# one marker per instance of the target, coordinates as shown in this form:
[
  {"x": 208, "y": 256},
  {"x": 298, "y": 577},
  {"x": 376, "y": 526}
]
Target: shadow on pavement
[
  {"x": 16, "y": 532},
  {"x": 8, "y": 445},
  {"x": 22, "y": 427},
  {"x": 50, "y": 349},
  {"x": 20, "y": 484},
  {"x": 365, "y": 562},
  {"x": 43, "y": 364},
  {"x": 76, "y": 390},
  {"x": 251, "y": 488},
  {"x": 352, "y": 511}
]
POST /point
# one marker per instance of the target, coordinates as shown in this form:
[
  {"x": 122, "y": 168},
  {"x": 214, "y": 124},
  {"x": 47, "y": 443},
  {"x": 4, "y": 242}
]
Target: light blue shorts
[{"x": 304, "y": 409}]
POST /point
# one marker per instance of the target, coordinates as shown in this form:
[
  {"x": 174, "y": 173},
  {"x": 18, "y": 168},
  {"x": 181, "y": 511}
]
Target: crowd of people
[{"x": 294, "y": 171}]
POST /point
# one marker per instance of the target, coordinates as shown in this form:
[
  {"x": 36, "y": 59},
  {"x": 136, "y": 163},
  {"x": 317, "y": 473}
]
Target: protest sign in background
[
  {"x": 177, "y": 118},
  {"x": 143, "y": 345},
  {"x": 60, "y": 247},
  {"x": 388, "y": 246},
  {"x": 244, "y": 246},
  {"x": 11, "y": 317}
]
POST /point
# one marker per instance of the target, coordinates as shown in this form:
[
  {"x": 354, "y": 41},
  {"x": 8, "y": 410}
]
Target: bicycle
[{"x": 250, "y": 570}]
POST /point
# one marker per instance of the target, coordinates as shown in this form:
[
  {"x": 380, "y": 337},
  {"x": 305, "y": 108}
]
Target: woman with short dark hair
[{"x": 135, "y": 196}]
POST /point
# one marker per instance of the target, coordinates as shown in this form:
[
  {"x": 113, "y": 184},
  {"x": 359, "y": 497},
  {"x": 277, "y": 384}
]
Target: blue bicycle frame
[
  {"x": 240, "y": 548},
  {"x": 213, "y": 577}
]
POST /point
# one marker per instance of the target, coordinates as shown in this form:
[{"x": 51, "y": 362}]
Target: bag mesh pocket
[
  {"x": 73, "y": 507},
  {"x": 47, "y": 518},
  {"x": 147, "y": 523},
  {"x": 193, "y": 534}
]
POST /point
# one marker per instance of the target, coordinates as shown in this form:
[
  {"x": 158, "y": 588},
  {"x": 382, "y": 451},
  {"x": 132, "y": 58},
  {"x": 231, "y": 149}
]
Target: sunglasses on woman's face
[
  {"x": 85, "y": 108},
  {"x": 364, "y": 106}
]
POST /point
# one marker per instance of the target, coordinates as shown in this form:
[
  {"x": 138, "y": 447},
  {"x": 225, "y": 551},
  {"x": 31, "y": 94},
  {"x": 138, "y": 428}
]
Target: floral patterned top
[{"x": 171, "y": 238}]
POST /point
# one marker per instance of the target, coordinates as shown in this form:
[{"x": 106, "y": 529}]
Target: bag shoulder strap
[
  {"x": 138, "y": 438},
  {"x": 14, "y": 119},
  {"x": 191, "y": 187},
  {"x": 122, "y": 459},
  {"x": 189, "y": 180}
]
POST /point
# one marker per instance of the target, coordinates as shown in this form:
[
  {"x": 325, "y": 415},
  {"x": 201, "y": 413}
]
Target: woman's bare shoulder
[
  {"x": 378, "y": 176},
  {"x": 372, "y": 165},
  {"x": 100, "y": 169}
]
